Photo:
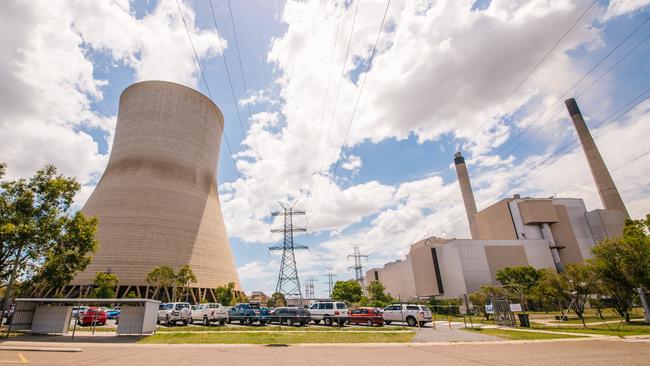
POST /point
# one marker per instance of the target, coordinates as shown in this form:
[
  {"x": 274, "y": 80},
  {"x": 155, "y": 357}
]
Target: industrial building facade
[{"x": 538, "y": 232}]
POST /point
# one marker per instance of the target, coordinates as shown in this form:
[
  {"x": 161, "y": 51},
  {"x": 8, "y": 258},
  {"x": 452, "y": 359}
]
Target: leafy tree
[
  {"x": 105, "y": 284},
  {"x": 552, "y": 290},
  {"x": 163, "y": 277},
  {"x": 184, "y": 279},
  {"x": 581, "y": 280},
  {"x": 519, "y": 281},
  {"x": 483, "y": 296},
  {"x": 348, "y": 291},
  {"x": 42, "y": 242},
  {"x": 239, "y": 297},
  {"x": 225, "y": 294},
  {"x": 277, "y": 300},
  {"x": 623, "y": 264}
]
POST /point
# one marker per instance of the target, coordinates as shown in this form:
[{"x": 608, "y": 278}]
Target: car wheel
[
  {"x": 328, "y": 321},
  {"x": 168, "y": 322},
  {"x": 206, "y": 322},
  {"x": 222, "y": 322},
  {"x": 369, "y": 323},
  {"x": 422, "y": 323},
  {"x": 387, "y": 322},
  {"x": 411, "y": 321},
  {"x": 185, "y": 322},
  {"x": 316, "y": 321},
  {"x": 248, "y": 321}
]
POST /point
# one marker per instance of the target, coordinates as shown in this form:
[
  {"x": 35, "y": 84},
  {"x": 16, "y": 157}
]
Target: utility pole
[
  {"x": 330, "y": 283},
  {"x": 288, "y": 282},
  {"x": 358, "y": 267}
]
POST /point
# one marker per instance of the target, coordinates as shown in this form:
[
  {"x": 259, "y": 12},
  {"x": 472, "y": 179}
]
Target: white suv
[
  {"x": 412, "y": 314},
  {"x": 329, "y": 312},
  {"x": 173, "y": 312}
]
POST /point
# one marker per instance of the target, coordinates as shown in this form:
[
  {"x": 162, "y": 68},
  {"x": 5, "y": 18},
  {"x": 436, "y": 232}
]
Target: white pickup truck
[
  {"x": 412, "y": 314},
  {"x": 210, "y": 313}
]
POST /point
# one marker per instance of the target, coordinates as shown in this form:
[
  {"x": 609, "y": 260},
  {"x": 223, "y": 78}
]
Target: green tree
[
  {"x": 105, "y": 285},
  {"x": 184, "y": 279},
  {"x": 225, "y": 294},
  {"x": 484, "y": 296},
  {"x": 239, "y": 297},
  {"x": 518, "y": 281},
  {"x": 377, "y": 296},
  {"x": 161, "y": 278},
  {"x": 552, "y": 290},
  {"x": 347, "y": 291},
  {"x": 43, "y": 242},
  {"x": 581, "y": 280},
  {"x": 277, "y": 300},
  {"x": 622, "y": 264}
]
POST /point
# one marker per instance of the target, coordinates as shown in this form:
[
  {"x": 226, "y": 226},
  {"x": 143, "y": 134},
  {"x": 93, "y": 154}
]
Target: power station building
[
  {"x": 517, "y": 231},
  {"x": 157, "y": 201}
]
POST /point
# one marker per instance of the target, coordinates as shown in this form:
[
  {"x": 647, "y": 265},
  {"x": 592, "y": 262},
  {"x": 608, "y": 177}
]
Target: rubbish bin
[{"x": 523, "y": 320}]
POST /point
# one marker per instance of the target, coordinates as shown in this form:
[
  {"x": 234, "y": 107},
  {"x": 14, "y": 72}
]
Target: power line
[
  {"x": 539, "y": 63},
  {"x": 327, "y": 88},
  {"x": 225, "y": 63},
  {"x": 241, "y": 67},
  {"x": 336, "y": 98},
  {"x": 356, "y": 103},
  {"x": 205, "y": 81},
  {"x": 580, "y": 80}
]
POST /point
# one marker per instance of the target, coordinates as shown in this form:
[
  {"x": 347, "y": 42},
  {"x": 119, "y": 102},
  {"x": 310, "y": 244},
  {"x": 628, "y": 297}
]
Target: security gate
[{"x": 502, "y": 314}]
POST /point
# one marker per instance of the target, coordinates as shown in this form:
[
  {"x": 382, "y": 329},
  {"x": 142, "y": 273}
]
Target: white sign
[
  {"x": 515, "y": 307},
  {"x": 489, "y": 309}
]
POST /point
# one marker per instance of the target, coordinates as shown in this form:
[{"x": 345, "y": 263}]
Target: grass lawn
[
  {"x": 634, "y": 328},
  {"x": 279, "y": 337},
  {"x": 516, "y": 335},
  {"x": 276, "y": 328}
]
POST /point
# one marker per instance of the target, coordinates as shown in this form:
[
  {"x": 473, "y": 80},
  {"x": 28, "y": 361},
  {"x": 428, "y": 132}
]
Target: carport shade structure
[{"x": 53, "y": 315}]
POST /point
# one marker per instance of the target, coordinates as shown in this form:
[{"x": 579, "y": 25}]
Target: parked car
[
  {"x": 367, "y": 316},
  {"x": 78, "y": 309},
  {"x": 289, "y": 316},
  {"x": 92, "y": 316},
  {"x": 248, "y": 313},
  {"x": 173, "y": 312},
  {"x": 209, "y": 313},
  {"x": 113, "y": 313},
  {"x": 412, "y": 314},
  {"x": 329, "y": 312}
]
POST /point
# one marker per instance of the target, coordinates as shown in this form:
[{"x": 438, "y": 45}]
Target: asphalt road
[{"x": 590, "y": 352}]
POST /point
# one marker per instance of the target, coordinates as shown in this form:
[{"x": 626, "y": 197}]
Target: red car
[
  {"x": 93, "y": 315},
  {"x": 368, "y": 316}
]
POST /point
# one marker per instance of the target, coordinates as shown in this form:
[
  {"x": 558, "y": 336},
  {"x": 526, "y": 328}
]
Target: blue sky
[{"x": 441, "y": 79}]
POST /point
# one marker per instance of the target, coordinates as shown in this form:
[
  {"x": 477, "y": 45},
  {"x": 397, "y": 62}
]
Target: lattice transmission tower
[
  {"x": 330, "y": 283},
  {"x": 288, "y": 281},
  {"x": 310, "y": 294},
  {"x": 358, "y": 267}
]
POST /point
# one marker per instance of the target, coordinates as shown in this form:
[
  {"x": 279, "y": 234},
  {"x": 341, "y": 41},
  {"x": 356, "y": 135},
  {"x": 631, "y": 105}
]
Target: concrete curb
[
  {"x": 222, "y": 345},
  {"x": 39, "y": 349}
]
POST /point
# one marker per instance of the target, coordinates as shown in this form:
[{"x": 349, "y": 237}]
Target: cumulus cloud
[
  {"x": 618, "y": 8},
  {"x": 47, "y": 77}
]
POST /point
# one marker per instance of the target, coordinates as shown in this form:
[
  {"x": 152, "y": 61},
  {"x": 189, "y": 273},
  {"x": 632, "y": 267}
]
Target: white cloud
[
  {"x": 617, "y": 8},
  {"x": 47, "y": 83}
]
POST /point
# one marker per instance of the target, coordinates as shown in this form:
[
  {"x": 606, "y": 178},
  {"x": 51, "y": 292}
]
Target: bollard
[{"x": 449, "y": 321}]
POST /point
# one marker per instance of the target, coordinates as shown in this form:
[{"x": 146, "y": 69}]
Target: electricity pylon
[
  {"x": 358, "y": 267},
  {"x": 288, "y": 281}
]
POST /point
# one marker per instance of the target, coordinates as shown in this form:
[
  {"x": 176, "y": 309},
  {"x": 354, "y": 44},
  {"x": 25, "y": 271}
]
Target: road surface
[{"x": 574, "y": 353}]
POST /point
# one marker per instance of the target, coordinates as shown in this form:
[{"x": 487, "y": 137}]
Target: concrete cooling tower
[{"x": 157, "y": 202}]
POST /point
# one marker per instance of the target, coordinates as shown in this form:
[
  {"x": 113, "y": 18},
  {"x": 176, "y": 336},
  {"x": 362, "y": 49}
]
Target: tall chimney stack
[
  {"x": 609, "y": 195},
  {"x": 466, "y": 190}
]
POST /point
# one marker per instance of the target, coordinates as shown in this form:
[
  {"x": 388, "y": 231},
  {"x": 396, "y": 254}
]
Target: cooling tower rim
[{"x": 180, "y": 86}]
